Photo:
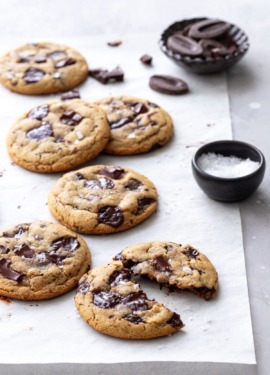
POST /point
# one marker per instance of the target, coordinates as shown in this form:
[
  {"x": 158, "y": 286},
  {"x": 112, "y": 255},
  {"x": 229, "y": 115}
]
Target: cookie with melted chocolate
[
  {"x": 102, "y": 199},
  {"x": 58, "y": 136},
  {"x": 137, "y": 125},
  {"x": 42, "y": 68},
  {"x": 41, "y": 260},
  {"x": 175, "y": 266},
  {"x": 111, "y": 302}
]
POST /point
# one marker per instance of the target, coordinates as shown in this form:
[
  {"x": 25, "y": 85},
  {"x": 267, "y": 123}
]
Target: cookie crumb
[
  {"x": 146, "y": 59},
  {"x": 115, "y": 43}
]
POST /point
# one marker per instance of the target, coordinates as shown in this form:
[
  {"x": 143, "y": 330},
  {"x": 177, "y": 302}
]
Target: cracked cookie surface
[
  {"x": 176, "y": 266},
  {"x": 41, "y": 260},
  {"x": 58, "y": 136},
  {"x": 137, "y": 125},
  {"x": 102, "y": 199},
  {"x": 42, "y": 68},
  {"x": 113, "y": 304}
]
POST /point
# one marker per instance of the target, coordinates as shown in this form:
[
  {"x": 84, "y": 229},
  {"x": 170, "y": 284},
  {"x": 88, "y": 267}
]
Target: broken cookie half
[
  {"x": 112, "y": 303},
  {"x": 175, "y": 266}
]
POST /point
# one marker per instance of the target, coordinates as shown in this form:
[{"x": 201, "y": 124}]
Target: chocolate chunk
[
  {"x": 212, "y": 48},
  {"x": 134, "y": 185},
  {"x": 104, "y": 76},
  {"x": 208, "y": 29},
  {"x": 20, "y": 230},
  {"x": 120, "y": 123},
  {"x": 101, "y": 183},
  {"x": 79, "y": 176},
  {"x": 169, "y": 248},
  {"x": 136, "y": 301},
  {"x": 153, "y": 105},
  {"x": 120, "y": 277},
  {"x": 4, "y": 249},
  {"x": 24, "y": 250},
  {"x": 83, "y": 288},
  {"x": 117, "y": 74},
  {"x": 112, "y": 172},
  {"x": 8, "y": 272},
  {"x": 146, "y": 59},
  {"x": 142, "y": 203},
  {"x": 73, "y": 94},
  {"x": 66, "y": 243},
  {"x": 64, "y": 62},
  {"x": 191, "y": 253},
  {"x": 71, "y": 118},
  {"x": 106, "y": 300},
  {"x": 115, "y": 43},
  {"x": 133, "y": 319},
  {"x": 24, "y": 59},
  {"x": 168, "y": 85},
  {"x": 99, "y": 74},
  {"x": 55, "y": 258},
  {"x": 39, "y": 113},
  {"x": 175, "y": 321},
  {"x": 39, "y": 58},
  {"x": 33, "y": 75},
  {"x": 42, "y": 132},
  {"x": 138, "y": 108},
  {"x": 161, "y": 264},
  {"x": 183, "y": 45},
  {"x": 57, "y": 55},
  {"x": 111, "y": 215},
  {"x": 44, "y": 259}
]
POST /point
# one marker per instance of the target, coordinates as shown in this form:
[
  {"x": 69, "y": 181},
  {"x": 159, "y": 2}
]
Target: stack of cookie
[{"x": 42, "y": 260}]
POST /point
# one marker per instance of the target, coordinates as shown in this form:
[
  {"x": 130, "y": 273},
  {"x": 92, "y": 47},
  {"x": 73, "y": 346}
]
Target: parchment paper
[{"x": 218, "y": 331}]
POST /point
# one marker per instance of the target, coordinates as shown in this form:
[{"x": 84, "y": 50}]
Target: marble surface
[{"x": 247, "y": 82}]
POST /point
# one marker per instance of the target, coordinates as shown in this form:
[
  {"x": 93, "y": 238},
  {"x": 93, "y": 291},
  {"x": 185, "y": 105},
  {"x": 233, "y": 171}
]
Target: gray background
[{"x": 247, "y": 83}]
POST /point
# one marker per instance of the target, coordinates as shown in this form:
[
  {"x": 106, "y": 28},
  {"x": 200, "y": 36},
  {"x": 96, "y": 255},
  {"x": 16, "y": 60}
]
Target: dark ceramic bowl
[
  {"x": 229, "y": 189},
  {"x": 209, "y": 64}
]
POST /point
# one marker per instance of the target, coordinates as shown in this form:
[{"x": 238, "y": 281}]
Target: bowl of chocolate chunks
[
  {"x": 204, "y": 45},
  {"x": 228, "y": 171}
]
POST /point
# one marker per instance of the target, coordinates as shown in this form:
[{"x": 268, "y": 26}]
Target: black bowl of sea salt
[{"x": 228, "y": 171}]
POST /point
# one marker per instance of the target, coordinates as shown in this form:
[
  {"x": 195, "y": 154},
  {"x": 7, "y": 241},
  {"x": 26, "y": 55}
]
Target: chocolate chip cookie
[
  {"x": 176, "y": 266},
  {"x": 58, "y": 136},
  {"x": 102, "y": 199},
  {"x": 42, "y": 68},
  {"x": 41, "y": 260},
  {"x": 113, "y": 304},
  {"x": 137, "y": 125}
]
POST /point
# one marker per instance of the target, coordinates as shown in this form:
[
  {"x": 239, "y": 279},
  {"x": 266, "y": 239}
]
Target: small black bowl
[
  {"x": 208, "y": 65},
  {"x": 229, "y": 189}
]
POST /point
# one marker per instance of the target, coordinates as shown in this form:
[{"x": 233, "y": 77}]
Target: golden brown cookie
[
  {"x": 42, "y": 68},
  {"x": 102, "y": 199},
  {"x": 58, "y": 136},
  {"x": 137, "y": 125},
  {"x": 41, "y": 260},
  {"x": 173, "y": 265},
  {"x": 112, "y": 303}
]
